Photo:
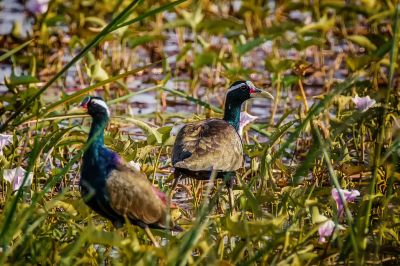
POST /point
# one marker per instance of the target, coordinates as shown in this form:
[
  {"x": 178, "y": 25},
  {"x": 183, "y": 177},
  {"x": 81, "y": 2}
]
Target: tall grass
[{"x": 282, "y": 194}]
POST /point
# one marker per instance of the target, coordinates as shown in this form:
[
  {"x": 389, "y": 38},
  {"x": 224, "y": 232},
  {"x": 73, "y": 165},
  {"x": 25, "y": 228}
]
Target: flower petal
[
  {"x": 245, "y": 119},
  {"x": 135, "y": 165},
  {"x": 4, "y": 141},
  {"x": 16, "y": 177},
  {"x": 326, "y": 230},
  {"x": 363, "y": 103},
  {"x": 349, "y": 196},
  {"x": 37, "y": 6}
]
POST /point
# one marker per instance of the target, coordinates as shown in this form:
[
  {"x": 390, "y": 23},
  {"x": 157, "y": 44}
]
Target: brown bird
[
  {"x": 112, "y": 188},
  {"x": 213, "y": 146}
]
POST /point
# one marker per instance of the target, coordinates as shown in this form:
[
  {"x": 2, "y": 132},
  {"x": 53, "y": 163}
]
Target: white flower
[
  {"x": 16, "y": 177},
  {"x": 236, "y": 5},
  {"x": 134, "y": 165},
  {"x": 175, "y": 129},
  {"x": 363, "y": 103},
  {"x": 4, "y": 141},
  {"x": 245, "y": 119}
]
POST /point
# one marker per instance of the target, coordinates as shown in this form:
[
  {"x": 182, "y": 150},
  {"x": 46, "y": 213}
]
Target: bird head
[
  {"x": 96, "y": 106},
  {"x": 241, "y": 91}
]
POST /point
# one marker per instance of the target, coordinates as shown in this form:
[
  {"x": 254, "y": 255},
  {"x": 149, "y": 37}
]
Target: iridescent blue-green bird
[
  {"x": 214, "y": 145},
  {"x": 112, "y": 188}
]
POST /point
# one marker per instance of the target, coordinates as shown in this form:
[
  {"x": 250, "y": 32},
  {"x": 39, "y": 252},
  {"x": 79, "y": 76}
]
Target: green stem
[
  {"x": 92, "y": 43},
  {"x": 381, "y": 135},
  {"x": 337, "y": 186}
]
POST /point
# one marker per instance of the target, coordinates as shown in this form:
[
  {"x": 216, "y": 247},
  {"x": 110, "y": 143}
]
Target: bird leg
[
  {"x": 177, "y": 176},
  {"x": 174, "y": 184},
  {"x": 150, "y": 235},
  {"x": 229, "y": 178},
  {"x": 213, "y": 176}
]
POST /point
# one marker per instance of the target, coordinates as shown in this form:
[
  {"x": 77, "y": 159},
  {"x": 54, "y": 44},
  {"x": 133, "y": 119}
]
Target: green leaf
[
  {"x": 276, "y": 65},
  {"x": 247, "y": 229},
  {"x": 144, "y": 126},
  {"x": 324, "y": 24},
  {"x": 140, "y": 40},
  {"x": 79, "y": 94},
  {"x": 289, "y": 80},
  {"x": 218, "y": 25},
  {"x": 116, "y": 23},
  {"x": 164, "y": 132},
  {"x": 244, "y": 48},
  {"x": 98, "y": 73},
  {"x": 356, "y": 63},
  {"x": 14, "y": 50},
  {"x": 182, "y": 54},
  {"x": 205, "y": 59},
  {"x": 362, "y": 41},
  {"x": 20, "y": 80},
  {"x": 96, "y": 21}
]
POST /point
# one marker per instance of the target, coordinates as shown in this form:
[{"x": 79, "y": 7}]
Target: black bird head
[
  {"x": 96, "y": 107},
  {"x": 241, "y": 91}
]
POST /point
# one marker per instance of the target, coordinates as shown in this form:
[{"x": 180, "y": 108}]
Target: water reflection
[{"x": 15, "y": 20}]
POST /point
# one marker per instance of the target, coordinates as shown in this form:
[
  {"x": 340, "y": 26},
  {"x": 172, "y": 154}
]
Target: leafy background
[{"x": 160, "y": 64}]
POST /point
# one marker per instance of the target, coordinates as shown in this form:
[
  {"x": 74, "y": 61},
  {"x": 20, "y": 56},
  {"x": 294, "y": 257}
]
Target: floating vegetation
[{"x": 320, "y": 177}]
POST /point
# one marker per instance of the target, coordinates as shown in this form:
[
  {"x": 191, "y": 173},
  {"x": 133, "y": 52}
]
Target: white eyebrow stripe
[
  {"x": 250, "y": 84},
  {"x": 236, "y": 87},
  {"x": 103, "y": 104}
]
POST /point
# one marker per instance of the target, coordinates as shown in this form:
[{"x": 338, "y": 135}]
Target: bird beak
[{"x": 258, "y": 93}]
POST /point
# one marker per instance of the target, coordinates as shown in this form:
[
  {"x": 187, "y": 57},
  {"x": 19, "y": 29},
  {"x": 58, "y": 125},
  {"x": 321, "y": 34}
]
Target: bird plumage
[
  {"x": 214, "y": 145},
  {"x": 131, "y": 195},
  {"x": 110, "y": 187},
  {"x": 203, "y": 146}
]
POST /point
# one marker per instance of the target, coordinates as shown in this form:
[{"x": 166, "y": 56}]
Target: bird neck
[
  {"x": 96, "y": 134},
  {"x": 232, "y": 113}
]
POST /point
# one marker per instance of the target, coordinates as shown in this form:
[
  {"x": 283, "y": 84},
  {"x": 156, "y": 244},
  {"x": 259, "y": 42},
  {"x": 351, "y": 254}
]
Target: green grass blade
[
  {"x": 142, "y": 125},
  {"x": 149, "y": 14},
  {"x": 84, "y": 51},
  {"x": 382, "y": 131},
  {"x": 193, "y": 100},
  {"x": 14, "y": 50},
  {"x": 314, "y": 110},
  {"x": 82, "y": 92},
  {"x": 336, "y": 184}
]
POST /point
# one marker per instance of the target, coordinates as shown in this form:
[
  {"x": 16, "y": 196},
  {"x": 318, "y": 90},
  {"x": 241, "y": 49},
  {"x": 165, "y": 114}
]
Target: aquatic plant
[{"x": 331, "y": 66}]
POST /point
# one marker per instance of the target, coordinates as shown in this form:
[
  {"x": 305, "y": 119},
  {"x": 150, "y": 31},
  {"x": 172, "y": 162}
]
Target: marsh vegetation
[{"x": 320, "y": 179}]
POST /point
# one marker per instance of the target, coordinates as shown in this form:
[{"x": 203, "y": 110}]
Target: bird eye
[{"x": 85, "y": 101}]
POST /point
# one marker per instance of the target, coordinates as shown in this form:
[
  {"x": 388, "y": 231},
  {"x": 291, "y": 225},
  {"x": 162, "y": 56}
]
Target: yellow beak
[{"x": 258, "y": 93}]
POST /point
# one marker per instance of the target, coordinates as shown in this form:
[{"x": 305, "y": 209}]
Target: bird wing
[
  {"x": 131, "y": 195},
  {"x": 211, "y": 144}
]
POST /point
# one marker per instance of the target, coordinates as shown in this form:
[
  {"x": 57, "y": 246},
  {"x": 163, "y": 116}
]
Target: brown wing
[
  {"x": 131, "y": 195},
  {"x": 207, "y": 145}
]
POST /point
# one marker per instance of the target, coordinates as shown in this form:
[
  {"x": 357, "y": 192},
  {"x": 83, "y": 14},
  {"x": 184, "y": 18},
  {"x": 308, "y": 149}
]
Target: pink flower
[
  {"x": 326, "y": 230},
  {"x": 37, "y": 7},
  {"x": 4, "y": 141},
  {"x": 16, "y": 176},
  {"x": 245, "y": 119},
  {"x": 363, "y": 103},
  {"x": 349, "y": 196}
]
